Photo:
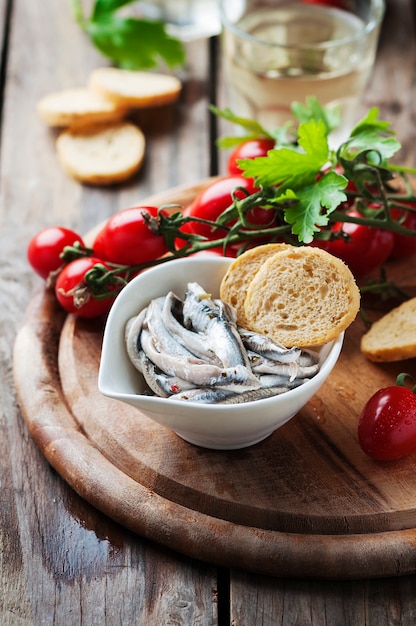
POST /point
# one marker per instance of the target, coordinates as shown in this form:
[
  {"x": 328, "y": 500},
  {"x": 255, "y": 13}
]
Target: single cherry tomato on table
[
  {"x": 387, "y": 424},
  {"x": 127, "y": 239},
  {"x": 47, "y": 245},
  {"x": 248, "y": 150},
  {"x": 73, "y": 293},
  {"x": 364, "y": 250}
]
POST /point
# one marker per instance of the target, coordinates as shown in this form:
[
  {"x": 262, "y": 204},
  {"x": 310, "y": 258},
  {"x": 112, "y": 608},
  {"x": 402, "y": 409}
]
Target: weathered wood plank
[{"x": 60, "y": 560}]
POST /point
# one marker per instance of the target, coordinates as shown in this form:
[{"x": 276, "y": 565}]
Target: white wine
[{"x": 294, "y": 51}]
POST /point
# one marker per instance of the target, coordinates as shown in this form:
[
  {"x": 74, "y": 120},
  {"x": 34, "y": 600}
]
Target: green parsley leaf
[
  {"x": 129, "y": 42},
  {"x": 372, "y": 134},
  {"x": 313, "y": 110},
  {"x": 253, "y": 128},
  {"x": 306, "y": 214},
  {"x": 292, "y": 167}
]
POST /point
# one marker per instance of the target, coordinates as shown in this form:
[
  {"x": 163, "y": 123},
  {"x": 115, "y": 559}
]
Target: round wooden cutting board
[{"x": 306, "y": 502}]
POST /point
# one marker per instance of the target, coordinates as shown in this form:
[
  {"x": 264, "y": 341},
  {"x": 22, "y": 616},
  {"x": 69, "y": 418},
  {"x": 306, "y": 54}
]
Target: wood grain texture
[
  {"x": 306, "y": 502},
  {"x": 61, "y": 560}
]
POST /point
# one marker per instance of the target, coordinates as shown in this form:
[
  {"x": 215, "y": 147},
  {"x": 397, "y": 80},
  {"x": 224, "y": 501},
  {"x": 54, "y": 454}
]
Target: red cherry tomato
[
  {"x": 366, "y": 249},
  {"x": 216, "y": 198},
  {"x": 45, "y": 247},
  {"x": 248, "y": 150},
  {"x": 126, "y": 238},
  {"x": 404, "y": 245},
  {"x": 387, "y": 424},
  {"x": 71, "y": 284}
]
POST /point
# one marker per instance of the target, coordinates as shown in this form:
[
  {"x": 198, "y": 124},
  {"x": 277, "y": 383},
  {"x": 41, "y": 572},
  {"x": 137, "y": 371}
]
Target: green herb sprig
[
  {"x": 307, "y": 186},
  {"x": 130, "y": 43},
  {"x": 311, "y": 181}
]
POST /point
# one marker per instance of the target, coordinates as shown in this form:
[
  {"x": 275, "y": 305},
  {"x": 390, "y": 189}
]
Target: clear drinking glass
[
  {"x": 275, "y": 52},
  {"x": 185, "y": 19}
]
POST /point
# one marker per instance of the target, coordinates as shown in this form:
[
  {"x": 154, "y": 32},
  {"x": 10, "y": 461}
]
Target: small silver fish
[
  {"x": 220, "y": 396},
  {"x": 150, "y": 375},
  {"x": 256, "y": 394},
  {"x": 163, "y": 339},
  {"x": 261, "y": 365},
  {"x": 161, "y": 384},
  {"x": 210, "y": 317},
  {"x": 204, "y": 395},
  {"x": 267, "y": 347},
  {"x": 195, "y": 370},
  {"x": 193, "y": 341},
  {"x": 276, "y": 380},
  {"x": 133, "y": 330}
]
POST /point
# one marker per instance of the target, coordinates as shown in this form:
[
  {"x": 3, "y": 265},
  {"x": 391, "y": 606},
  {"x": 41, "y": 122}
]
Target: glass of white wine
[{"x": 275, "y": 52}]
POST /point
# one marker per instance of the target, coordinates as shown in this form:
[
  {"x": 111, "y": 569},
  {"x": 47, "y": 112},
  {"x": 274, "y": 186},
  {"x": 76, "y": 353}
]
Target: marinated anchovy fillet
[
  {"x": 204, "y": 315},
  {"x": 197, "y": 343},
  {"x": 192, "y": 350},
  {"x": 267, "y": 347}
]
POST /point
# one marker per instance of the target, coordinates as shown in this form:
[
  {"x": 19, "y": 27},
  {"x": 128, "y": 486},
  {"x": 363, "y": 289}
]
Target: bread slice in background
[
  {"x": 134, "y": 89},
  {"x": 392, "y": 337},
  {"x": 302, "y": 297},
  {"x": 79, "y": 106},
  {"x": 234, "y": 285},
  {"x": 101, "y": 154}
]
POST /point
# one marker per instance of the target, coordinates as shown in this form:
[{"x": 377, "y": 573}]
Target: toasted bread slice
[
  {"x": 393, "y": 337},
  {"x": 302, "y": 297},
  {"x": 78, "y": 106},
  {"x": 102, "y": 154},
  {"x": 134, "y": 89},
  {"x": 233, "y": 288}
]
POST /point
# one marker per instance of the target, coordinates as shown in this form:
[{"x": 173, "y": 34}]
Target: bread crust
[
  {"x": 302, "y": 297},
  {"x": 234, "y": 285},
  {"x": 392, "y": 337},
  {"x": 134, "y": 89}
]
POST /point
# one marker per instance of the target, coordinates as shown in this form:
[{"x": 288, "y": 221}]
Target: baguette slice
[
  {"x": 393, "y": 337},
  {"x": 102, "y": 154},
  {"x": 134, "y": 89},
  {"x": 77, "y": 106},
  {"x": 233, "y": 288},
  {"x": 302, "y": 297}
]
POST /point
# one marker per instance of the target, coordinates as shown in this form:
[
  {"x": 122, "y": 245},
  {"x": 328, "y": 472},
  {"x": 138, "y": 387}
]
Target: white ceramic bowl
[{"x": 221, "y": 427}]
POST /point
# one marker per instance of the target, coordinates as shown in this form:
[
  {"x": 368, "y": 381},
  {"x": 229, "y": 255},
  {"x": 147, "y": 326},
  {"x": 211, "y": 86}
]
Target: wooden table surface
[{"x": 61, "y": 561}]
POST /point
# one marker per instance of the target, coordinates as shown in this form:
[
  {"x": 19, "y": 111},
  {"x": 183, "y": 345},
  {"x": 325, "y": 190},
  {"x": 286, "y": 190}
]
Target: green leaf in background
[
  {"x": 103, "y": 7},
  {"x": 129, "y": 42}
]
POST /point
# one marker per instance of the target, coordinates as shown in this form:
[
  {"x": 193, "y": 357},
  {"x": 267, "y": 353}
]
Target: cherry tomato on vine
[
  {"x": 248, "y": 150},
  {"x": 126, "y": 238},
  {"x": 387, "y": 424},
  {"x": 231, "y": 250},
  {"x": 404, "y": 245},
  {"x": 366, "y": 249},
  {"x": 71, "y": 285},
  {"x": 216, "y": 198},
  {"x": 45, "y": 247}
]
